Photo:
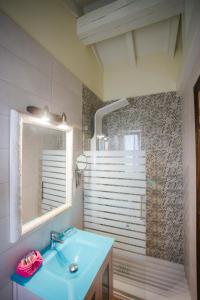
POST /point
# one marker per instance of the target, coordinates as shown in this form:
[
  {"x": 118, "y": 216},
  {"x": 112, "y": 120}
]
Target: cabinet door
[
  {"x": 105, "y": 284},
  {"x": 106, "y": 278},
  {"x": 93, "y": 293}
]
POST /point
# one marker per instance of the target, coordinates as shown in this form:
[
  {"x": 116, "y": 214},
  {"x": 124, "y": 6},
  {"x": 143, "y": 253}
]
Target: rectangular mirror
[{"x": 40, "y": 172}]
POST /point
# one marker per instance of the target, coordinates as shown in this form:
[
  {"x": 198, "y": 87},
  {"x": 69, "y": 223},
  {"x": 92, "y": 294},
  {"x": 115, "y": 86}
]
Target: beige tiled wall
[{"x": 29, "y": 75}]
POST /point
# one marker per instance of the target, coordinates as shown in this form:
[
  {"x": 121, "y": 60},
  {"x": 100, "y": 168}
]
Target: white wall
[
  {"x": 51, "y": 23},
  {"x": 189, "y": 76},
  {"x": 29, "y": 75},
  {"x": 153, "y": 74}
]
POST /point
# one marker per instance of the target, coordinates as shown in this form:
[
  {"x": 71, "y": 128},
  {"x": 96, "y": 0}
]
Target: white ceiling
[
  {"x": 150, "y": 40},
  {"x": 112, "y": 50}
]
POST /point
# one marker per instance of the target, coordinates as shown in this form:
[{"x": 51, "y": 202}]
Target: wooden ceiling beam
[
  {"x": 97, "y": 56},
  {"x": 123, "y": 16},
  {"x": 173, "y": 34}
]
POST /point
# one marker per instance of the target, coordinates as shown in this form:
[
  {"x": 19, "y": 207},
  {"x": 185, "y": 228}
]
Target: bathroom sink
[
  {"x": 54, "y": 279},
  {"x": 75, "y": 250}
]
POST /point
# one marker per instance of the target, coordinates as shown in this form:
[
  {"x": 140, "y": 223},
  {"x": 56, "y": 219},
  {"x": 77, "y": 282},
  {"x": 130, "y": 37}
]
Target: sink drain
[{"x": 73, "y": 268}]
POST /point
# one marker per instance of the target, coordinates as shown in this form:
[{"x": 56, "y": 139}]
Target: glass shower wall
[
  {"x": 133, "y": 189},
  {"x": 152, "y": 124},
  {"x": 115, "y": 198}
]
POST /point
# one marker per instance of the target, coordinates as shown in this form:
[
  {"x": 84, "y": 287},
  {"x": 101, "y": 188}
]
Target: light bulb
[
  {"x": 45, "y": 116},
  {"x": 64, "y": 119}
]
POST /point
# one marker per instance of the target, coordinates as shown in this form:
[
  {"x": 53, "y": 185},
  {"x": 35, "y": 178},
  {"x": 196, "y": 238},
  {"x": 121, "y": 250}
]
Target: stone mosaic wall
[
  {"x": 91, "y": 103},
  {"x": 158, "y": 119}
]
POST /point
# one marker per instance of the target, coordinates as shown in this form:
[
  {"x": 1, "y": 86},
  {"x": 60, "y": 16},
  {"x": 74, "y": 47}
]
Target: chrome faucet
[{"x": 56, "y": 237}]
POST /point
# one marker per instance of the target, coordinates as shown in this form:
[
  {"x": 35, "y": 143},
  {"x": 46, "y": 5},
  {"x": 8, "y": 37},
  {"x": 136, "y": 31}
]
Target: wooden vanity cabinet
[{"x": 102, "y": 287}]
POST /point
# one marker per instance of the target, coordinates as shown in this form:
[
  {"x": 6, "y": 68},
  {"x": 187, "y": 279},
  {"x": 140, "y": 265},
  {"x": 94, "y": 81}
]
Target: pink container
[{"x": 29, "y": 264}]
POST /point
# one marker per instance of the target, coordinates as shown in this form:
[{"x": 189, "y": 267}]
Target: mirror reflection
[{"x": 43, "y": 170}]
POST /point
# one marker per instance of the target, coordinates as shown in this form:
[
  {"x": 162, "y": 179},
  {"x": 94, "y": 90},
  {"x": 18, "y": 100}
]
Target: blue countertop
[{"x": 53, "y": 281}]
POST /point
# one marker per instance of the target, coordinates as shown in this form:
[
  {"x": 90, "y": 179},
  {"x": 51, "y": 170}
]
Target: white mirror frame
[{"x": 16, "y": 131}]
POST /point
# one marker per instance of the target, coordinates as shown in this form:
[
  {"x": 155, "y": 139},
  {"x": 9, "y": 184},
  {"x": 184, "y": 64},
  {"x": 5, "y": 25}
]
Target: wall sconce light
[
  {"x": 63, "y": 124},
  {"x": 47, "y": 116}
]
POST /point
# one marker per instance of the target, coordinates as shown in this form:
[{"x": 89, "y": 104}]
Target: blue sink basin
[
  {"x": 54, "y": 280},
  {"x": 77, "y": 250}
]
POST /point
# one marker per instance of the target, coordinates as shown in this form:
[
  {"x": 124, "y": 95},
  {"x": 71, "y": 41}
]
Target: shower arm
[{"x": 100, "y": 113}]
